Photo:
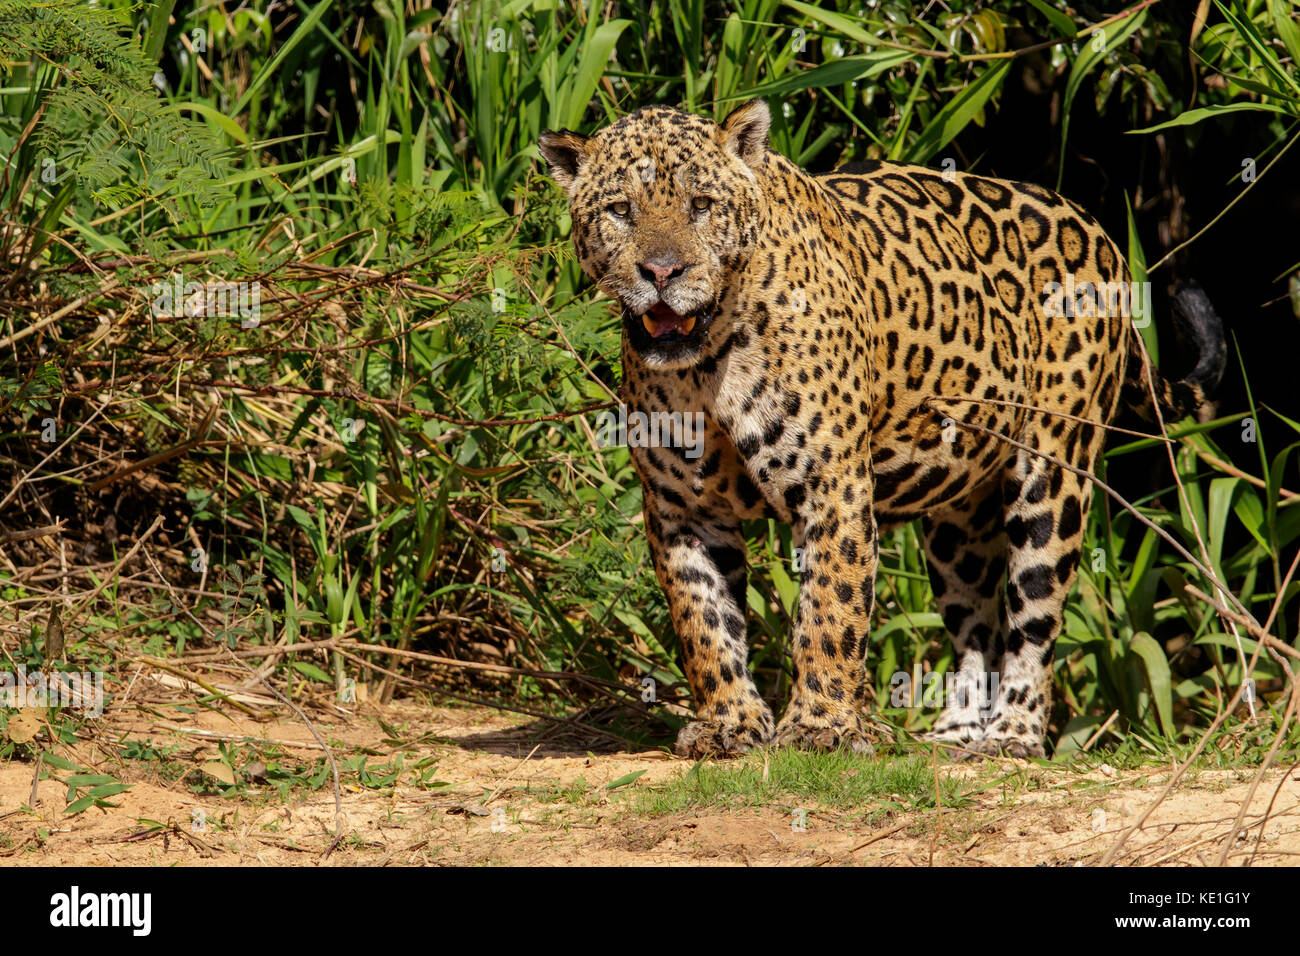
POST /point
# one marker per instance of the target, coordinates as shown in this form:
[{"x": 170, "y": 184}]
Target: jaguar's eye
[
  {"x": 620, "y": 209},
  {"x": 701, "y": 203}
]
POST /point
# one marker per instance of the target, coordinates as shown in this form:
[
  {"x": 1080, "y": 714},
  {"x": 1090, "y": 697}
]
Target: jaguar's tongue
[{"x": 661, "y": 320}]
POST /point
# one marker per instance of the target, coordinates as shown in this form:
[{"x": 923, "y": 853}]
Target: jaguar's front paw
[
  {"x": 814, "y": 734},
  {"x": 713, "y": 738}
]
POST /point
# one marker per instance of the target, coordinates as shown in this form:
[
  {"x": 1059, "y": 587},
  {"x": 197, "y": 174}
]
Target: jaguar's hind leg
[
  {"x": 966, "y": 551},
  {"x": 1046, "y": 511}
]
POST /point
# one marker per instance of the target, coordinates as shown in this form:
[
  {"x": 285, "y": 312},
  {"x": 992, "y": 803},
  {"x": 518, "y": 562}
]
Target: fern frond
[{"x": 104, "y": 122}]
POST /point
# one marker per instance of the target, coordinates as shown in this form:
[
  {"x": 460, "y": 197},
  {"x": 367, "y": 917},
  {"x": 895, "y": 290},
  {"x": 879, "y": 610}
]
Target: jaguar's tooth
[
  {"x": 688, "y": 324},
  {"x": 650, "y": 324}
]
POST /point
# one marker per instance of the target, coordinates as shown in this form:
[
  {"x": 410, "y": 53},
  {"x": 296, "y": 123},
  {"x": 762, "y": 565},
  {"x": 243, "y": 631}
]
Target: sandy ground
[{"x": 491, "y": 798}]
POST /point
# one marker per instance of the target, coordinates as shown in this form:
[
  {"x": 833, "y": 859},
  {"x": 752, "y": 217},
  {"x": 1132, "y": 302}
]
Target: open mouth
[{"x": 661, "y": 321}]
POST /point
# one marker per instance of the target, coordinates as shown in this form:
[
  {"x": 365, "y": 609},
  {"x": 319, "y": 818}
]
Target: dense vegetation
[{"x": 392, "y": 443}]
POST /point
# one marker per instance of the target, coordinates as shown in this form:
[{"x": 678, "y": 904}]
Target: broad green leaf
[
  {"x": 957, "y": 113},
  {"x": 838, "y": 22},
  {"x": 845, "y": 70},
  {"x": 1075, "y": 734},
  {"x": 108, "y": 790},
  {"x": 731, "y": 62},
  {"x": 304, "y": 520},
  {"x": 581, "y": 85},
  {"x": 900, "y": 621},
  {"x": 216, "y": 118},
  {"x": 1158, "y": 677},
  {"x": 1084, "y": 64},
  {"x": 78, "y": 806},
  {"x": 624, "y": 780},
  {"x": 787, "y": 589},
  {"x": 1194, "y": 431},
  {"x": 362, "y": 147},
  {"x": 59, "y": 763},
  {"x": 1219, "y": 639},
  {"x": 1247, "y": 30},
  {"x": 1195, "y": 686},
  {"x": 1190, "y": 117},
  {"x": 1139, "y": 574},
  {"x": 905, "y": 119},
  {"x": 89, "y": 779},
  {"x": 308, "y": 669},
  {"x": 1284, "y": 22},
  {"x": 1250, "y": 512},
  {"x": 1137, "y": 264},
  {"x": 1273, "y": 495},
  {"x": 1059, "y": 20},
  {"x": 159, "y": 16},
  {"x": 1220, "y": 503}
]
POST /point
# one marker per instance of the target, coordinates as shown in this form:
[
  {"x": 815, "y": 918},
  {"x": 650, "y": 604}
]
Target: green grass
[{"x": 794, "y": 778}]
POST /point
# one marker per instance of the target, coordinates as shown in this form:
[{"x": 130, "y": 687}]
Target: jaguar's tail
[{"x": 1196, "y": 319}]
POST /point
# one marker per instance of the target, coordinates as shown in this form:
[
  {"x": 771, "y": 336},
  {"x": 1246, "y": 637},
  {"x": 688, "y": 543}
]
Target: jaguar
[{"x": 863, "y": 348}]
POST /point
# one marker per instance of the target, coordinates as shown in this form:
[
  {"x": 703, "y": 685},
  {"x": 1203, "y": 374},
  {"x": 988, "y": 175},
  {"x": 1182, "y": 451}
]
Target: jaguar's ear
[
  {"x": 745, "y": 131},
  {"x": 565, "y": 152}
]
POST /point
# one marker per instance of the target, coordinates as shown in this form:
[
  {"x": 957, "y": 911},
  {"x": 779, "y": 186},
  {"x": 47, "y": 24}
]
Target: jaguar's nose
[{"x": 660, "y": 273}]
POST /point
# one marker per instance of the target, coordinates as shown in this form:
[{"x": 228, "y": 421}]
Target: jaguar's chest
[
  {"x": 795, "y": 430},
  {"x": 786, "y": 427}
]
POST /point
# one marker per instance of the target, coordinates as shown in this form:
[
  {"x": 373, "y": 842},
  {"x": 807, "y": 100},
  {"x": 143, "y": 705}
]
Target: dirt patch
[{"x": 492, "y": 793}]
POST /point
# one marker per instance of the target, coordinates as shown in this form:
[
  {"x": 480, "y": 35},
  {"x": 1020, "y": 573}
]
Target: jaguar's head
[{"x": 666, "y": 209}]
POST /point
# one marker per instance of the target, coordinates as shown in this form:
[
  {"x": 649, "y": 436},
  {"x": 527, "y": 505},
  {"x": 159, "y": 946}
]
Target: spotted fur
[{"x": 832, "y": 329}]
